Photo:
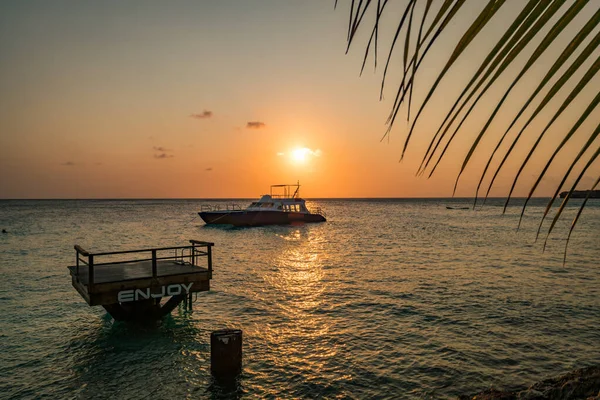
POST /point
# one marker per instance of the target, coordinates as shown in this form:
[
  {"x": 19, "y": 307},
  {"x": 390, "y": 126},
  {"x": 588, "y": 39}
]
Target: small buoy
[{"x": 226, "y": 352}]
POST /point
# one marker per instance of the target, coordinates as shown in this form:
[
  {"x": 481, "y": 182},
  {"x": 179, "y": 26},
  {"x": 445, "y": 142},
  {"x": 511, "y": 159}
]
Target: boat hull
[{"x": 258, "y": 218}]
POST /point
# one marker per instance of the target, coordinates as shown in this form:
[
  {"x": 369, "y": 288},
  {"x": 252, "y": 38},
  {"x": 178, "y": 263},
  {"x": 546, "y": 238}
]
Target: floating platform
[{"x": 142, "y": 284}]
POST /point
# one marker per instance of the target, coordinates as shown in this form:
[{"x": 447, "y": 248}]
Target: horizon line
[{"x": 253, "y": 198}]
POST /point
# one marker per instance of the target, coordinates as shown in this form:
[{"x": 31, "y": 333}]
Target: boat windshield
[{"x": 259, "y": 204}]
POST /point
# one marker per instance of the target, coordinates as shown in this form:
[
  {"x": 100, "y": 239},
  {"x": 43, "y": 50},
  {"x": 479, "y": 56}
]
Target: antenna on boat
[{"x": 297, "y": 192}]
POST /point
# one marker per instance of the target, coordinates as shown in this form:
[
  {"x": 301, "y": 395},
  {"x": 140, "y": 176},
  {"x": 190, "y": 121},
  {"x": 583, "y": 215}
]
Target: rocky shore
[{"x": 581, "y": 384}]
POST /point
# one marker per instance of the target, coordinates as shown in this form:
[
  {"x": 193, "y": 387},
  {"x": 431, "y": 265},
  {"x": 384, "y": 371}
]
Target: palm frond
[
  {"x": 506, "y": 63},
  {"x": 581, "y": 152},
  {"x": 582, "y": 83},
  {"x": 400, "y": 95},
  {"x": 555, "y": 88},
  {"x": 589, "y": 142},
  {"x": 570, "y": 193},
  {"x": 540, "y": 22},
  {"x": 374, "y": 35},
  {"x": 567, "y": 52},
  {"x": 550, "y": 37},
  {"x": 517, "y": 43},
  {"x": 425, "y": 13},
  {"x": 396, "y": 35},
  {"x": 516, "y": 30},
  {"x": 577, "y": 218},
  {"x": 484, "y": 17}
]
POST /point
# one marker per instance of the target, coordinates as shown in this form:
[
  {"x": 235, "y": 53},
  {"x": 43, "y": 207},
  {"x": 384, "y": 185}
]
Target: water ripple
[{"x": 404, "y": 299}]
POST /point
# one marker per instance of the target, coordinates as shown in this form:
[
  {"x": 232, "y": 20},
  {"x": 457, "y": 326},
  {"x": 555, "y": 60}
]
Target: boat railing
[
  {"x": 318, "y": 210},
  {"x": 285, "y": 191},
  {"x": 219, "y": 207},
  {"x": 182, "y": 254}
]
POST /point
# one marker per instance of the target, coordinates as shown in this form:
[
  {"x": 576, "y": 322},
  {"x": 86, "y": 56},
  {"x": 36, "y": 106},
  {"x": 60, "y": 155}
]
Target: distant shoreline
[{"x": 582, "y": 194}]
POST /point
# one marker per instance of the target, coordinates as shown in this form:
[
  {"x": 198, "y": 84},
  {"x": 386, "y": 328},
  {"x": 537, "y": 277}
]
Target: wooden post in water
[{"x": 226, "y": 353}]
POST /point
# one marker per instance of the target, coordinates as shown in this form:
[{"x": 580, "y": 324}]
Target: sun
[{"x": 300, "y": 155}]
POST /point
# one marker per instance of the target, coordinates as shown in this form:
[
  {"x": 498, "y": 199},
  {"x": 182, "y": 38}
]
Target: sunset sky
[{"x": 220, "y": 99}]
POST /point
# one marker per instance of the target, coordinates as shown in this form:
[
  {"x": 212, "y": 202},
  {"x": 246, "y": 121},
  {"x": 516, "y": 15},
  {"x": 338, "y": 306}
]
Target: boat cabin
[{"x": 284, "y": 198}]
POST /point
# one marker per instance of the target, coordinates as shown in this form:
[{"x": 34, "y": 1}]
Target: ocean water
[{"x": 396, "y": 299}]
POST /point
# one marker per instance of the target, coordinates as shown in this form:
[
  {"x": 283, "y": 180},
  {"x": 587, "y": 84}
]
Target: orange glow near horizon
[{"x": 173, "y": 102}]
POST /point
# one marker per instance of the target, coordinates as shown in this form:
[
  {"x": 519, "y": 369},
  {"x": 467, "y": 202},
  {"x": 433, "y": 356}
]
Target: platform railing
[{"x": 197, "y": 248}]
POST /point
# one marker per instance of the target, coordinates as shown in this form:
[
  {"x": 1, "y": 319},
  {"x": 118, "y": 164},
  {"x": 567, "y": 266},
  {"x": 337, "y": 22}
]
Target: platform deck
[
  {"x": 132, "y": 276},
  {"x": 134, "y": 270}
]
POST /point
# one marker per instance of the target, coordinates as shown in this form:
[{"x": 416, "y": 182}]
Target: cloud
[
  {"x": 208, "y": 169},
  {"x": 255, "y": 125},
  {"x": 68, "y": 163},
  {"x": 203, "y": 115},
  {"x": 162, "y": 152},
  {"x": 161, "y": 149}
]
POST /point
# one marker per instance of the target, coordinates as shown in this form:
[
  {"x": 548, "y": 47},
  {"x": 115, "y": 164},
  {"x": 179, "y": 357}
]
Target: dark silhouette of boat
[
  {"x": 457, "y": 208},
  {"x": 581, "y": 194},
  {"x": 271, "y": 209}
]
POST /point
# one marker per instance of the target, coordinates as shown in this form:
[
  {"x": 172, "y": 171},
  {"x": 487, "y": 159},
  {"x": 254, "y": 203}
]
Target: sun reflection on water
[
  {"x": 298, "y": 276},
  {"x": 301, "y": 335}
]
